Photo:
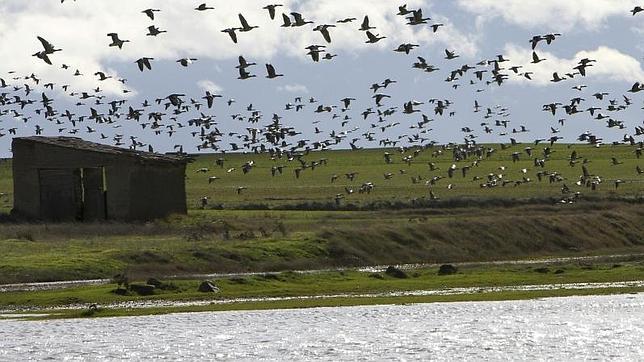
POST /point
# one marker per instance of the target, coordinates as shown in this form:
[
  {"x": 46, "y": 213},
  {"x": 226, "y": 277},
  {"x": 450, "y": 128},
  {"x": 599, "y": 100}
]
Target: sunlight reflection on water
[{"x": 604, "y": 327}]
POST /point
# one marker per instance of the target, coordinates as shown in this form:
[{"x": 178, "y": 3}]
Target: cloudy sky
[{"x": 476, "y": 30}]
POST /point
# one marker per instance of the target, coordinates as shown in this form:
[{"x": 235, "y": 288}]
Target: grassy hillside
[{"x": 209, "y": 241}]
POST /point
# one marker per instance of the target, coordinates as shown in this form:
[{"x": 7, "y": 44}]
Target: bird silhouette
[
  {"x": 116, "y": 42},
  {"x": 373, "y": 38},
  {"x": 450, "y": 55},
  {"x": 271, "y": 72},
  {"x": 186, "y": 61},
  {"x": 150, "y": 12},
  {"x": 204, "y": 7},
  {"x": 271, "y": 9},
  {"x": 324, "y": 30},
  {"x": 231, "y": 33},
  {"x": 365, "y": 24},
  {"x": 144, "y": 63},
  {"x": 154, "y": 31},
  {"x": 245, "y": 27}
]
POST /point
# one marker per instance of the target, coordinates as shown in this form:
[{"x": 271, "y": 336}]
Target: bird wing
[
  {"x": 46, "y": 58},
  {"x": 243, "y": 21},
  {"x": 270, "y": 69},
  {"x": 365, "y": 22},
  {"x": 47, "y": 45},
  {"x": 298, "y": 17},
  {"x": 325, "y": 34},
  {"x": 287, "y": 20},
  {"x": 271, "y": 12},
  {"x": 233, "y": 36},
  {"x": 149, "y": 13}
]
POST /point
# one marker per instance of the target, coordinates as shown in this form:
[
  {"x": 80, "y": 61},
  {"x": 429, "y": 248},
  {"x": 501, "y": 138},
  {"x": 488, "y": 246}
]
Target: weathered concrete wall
[
  {"x": 136, "y": 189},
  {"x": 157, "y": 191}
]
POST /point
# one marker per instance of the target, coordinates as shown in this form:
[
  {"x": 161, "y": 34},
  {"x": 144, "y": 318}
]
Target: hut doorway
[{"x": 73, "y": 194}]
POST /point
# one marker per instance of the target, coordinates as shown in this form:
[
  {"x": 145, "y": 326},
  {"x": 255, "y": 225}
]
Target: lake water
[{"x": 575, "y": 328}]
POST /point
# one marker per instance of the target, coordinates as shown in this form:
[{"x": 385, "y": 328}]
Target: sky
[{"x": 476, "y": 30}]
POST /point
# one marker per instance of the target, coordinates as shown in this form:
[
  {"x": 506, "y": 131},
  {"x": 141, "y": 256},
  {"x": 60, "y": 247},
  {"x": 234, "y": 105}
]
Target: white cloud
[
  {"x": 80, "y": 28},
  {"x": 611, "y": 65},
  {"x": 293, "y": 88},
  {"x": 208, "y": 85},
  {"x": 551, "y": 15}
]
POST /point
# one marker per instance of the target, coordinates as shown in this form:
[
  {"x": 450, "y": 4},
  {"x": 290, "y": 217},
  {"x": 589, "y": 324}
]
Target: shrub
[{"x": 395, "y": 272}]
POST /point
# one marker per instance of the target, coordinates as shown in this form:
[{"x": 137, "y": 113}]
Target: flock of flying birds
[{"x": 93, "y": 112}]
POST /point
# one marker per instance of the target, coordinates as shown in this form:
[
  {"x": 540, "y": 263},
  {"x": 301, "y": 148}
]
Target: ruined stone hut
[{"x": 67, "y": 178}]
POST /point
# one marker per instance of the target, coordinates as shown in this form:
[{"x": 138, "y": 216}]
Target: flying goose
[
  {"x": 536, "y": 59},
  {"x": 365, "y": 24},
  {"x": 231, "y": 33},
  {"x": 271, "y": 9},
  {"x": 49, "y": 48},
  {"x": 116, "y": 42},
  {"x": 245, "y": 27},
  {"x": 204, "y": 7},
  {"x": 144, "y": 63},
  {"x": 324, "y": 30},
  {"x": 450, "y": 54},
  {"x": 150, "y": 12},
  {"x": 406, "y": 48},
  {"x": 373, "y": 38},
  {"x": 271, "y": 72},
  {"x": 154, "y": 31},
  {"x": 186, "y": 61},
  {"x": 299, "y": 20}
]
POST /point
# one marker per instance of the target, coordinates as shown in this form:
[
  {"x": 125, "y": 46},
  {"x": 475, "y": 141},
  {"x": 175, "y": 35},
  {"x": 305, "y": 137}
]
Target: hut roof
[{"x": 87, "y": 146}]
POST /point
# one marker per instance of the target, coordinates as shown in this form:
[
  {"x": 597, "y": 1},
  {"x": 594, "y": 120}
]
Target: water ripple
[{"x": 572, "y": 328}]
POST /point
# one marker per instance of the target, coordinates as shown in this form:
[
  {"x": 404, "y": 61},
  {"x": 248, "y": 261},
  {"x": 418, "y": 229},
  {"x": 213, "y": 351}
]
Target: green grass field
[
  {"x": 281, "y": 223},
  {"x": 315, "y": 186},
  {"x": 354, "y": 286}
]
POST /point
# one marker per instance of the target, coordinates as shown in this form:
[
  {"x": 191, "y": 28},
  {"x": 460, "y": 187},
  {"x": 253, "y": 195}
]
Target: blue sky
[{"x": 477, "y": 30}]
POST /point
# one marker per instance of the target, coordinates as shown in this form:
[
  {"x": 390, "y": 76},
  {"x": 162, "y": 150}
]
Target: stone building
[{"x": 67, "y": 178}]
